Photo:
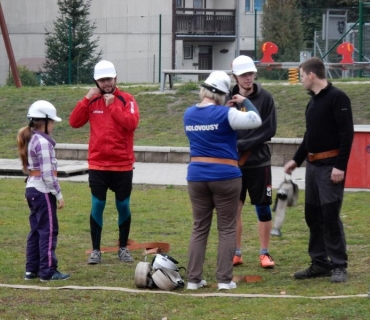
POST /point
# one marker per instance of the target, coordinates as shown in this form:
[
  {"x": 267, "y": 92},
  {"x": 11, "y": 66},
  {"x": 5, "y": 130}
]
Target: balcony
[{"x": 205, "y": 24}]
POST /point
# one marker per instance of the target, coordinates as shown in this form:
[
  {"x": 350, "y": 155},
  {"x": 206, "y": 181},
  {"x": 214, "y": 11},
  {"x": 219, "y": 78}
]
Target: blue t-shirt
[{"x": 210, "y": 135}]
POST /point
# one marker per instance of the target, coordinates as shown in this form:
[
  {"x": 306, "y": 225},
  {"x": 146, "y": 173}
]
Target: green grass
[
  {"x": 161, "y": 114},
  {"x": 163, "y": 214}
]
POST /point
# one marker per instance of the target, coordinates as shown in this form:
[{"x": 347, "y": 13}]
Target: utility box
[{"x": 358, "y": 170}]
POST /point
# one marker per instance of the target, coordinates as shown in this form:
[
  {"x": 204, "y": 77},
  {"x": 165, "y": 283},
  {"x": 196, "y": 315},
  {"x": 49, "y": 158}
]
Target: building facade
[{"x": 143, "y": 37}]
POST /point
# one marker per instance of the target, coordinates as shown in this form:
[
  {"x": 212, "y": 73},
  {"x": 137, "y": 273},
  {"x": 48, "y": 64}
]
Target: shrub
[{"x": 28, "y": 78}]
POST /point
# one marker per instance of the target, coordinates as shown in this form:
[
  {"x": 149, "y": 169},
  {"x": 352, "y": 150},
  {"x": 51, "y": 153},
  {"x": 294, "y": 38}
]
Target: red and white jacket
[{"x": 111, "y": 143}]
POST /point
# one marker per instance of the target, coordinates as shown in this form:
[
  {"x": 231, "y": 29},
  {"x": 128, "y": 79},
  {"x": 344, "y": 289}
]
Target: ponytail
[{"x": 23, "y": 138}]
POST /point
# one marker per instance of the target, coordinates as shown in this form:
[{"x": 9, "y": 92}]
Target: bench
[
  {"x": 171, "y": 73},
  {"x": 268, "y": 66}
]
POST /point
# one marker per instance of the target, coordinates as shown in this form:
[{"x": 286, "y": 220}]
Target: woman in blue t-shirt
[{"x": 214, "y": 178}]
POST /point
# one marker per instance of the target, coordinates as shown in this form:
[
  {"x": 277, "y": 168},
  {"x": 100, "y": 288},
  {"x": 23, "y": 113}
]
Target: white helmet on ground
[
  {"x": 218, "y": 82},
  {"x": 104, "y": 69},
  {"x": 243, "y": 64},
  {"x": 42, "y": 109},
  {"x": 167, "y": 279},
  {"x": 164, "y": 261}
]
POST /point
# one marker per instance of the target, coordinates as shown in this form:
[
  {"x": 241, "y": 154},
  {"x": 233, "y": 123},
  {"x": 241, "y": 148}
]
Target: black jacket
[
  {"x": 329, "y": 126},
  {"x": 255, "y": 140}
]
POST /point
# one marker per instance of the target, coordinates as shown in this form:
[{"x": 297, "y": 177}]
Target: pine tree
[
  {"x": 70, "y": 52},
  {"x": 281, "y": 25}
]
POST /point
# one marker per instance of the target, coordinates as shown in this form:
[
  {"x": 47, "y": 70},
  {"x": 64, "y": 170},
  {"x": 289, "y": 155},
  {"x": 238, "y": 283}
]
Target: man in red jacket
[{"x": 113, "y": 116}]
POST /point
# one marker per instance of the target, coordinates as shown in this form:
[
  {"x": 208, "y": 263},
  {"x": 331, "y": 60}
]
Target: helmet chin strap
[
  {"x": 46, "y": 125},
  {"x": 102, "y": 91}
]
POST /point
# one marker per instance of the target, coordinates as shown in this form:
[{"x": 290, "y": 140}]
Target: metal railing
[{"x": 205, "y": 22}]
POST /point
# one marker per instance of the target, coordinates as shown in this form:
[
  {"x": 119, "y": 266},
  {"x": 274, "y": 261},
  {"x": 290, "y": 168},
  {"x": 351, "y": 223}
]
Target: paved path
[
  {"x": 144, "y": 173},
  {"x": 175, "y": 174}
]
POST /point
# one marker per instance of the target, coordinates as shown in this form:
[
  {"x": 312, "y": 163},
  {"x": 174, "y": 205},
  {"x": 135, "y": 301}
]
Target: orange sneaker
[
  {"x": 237, "y": 260},
  {"x": 266, "y": 261}
]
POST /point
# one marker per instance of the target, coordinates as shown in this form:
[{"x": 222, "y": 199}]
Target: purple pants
[{"x": 42, "y": 239}]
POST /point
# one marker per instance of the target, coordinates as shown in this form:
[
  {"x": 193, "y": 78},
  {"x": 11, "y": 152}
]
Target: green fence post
[{"x": 160, "y": 48}]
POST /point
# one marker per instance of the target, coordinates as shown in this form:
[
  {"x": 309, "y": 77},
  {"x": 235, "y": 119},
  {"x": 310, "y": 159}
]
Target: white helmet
[
  {"x": 218, "y": 82},
  {"x": 104, "y": 69},
  {"x": 243, "y": 64},
  {"x": 42, "y": 109},
  {"x": 142, "y": 274},
  {"x": 164, "y": 261},
  {"x": 167, "y": 279}
]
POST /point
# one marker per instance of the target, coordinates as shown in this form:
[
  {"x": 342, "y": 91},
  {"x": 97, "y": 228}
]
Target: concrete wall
[{"x": 282, "y": 150}]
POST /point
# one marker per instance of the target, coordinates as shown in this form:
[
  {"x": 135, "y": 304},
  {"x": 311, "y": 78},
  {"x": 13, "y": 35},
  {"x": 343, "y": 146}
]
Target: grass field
[
  {"x": 163, "y": 214},
  {"x": 160, "y": 114}
]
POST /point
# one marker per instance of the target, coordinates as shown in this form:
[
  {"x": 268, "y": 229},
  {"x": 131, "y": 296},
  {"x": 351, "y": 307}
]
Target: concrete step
[{"x": 66, "y": 168}]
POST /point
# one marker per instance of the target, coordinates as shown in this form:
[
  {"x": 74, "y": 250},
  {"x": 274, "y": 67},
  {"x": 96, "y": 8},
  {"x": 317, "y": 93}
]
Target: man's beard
[
  {"x": 244, "y": 90},
  {"x": 110, "y": 91},
  {"x": 102, "y": 91}
]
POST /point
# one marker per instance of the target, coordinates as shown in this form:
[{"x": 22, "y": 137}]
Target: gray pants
[
  {"x": 205, "y": 197},
  {"x": 327, "y": 244}
]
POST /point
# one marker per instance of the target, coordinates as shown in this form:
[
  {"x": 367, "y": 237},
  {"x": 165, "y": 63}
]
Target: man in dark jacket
[
  {"x": 255, "y": 157},
  {"x": 326, "y": 146}
]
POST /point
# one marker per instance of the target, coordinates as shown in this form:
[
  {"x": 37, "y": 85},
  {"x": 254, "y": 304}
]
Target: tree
[
  {"x": 312, "y": 11},
  {"x": 70, "y": 52},
  {"x": 281, "y": 25}
]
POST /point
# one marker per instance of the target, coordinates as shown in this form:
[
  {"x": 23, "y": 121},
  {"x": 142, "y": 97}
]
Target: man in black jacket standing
[
  {"x": 255, "y": 157},
  {"x": 326, "y": 146}
]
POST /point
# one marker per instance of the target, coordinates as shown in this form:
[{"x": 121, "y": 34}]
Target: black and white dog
[{"x": 287, "y": 196}]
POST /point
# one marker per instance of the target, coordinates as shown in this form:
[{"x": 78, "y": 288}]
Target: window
[
  {"x": 180, "y": 3},
  {"x": 188, "y": 52},
  {"x": 249, "y": 53},
  {"x": 252, "y": 5},
  {"x": 198, "y": 4}
]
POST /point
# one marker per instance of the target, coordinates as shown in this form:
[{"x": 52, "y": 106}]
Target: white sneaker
[
  {"x": 227, "y": 286},
  {"x": 195, "y": 286}
]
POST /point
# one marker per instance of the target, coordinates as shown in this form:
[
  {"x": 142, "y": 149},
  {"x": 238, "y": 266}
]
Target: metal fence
[{"x": 325, "y": 47}]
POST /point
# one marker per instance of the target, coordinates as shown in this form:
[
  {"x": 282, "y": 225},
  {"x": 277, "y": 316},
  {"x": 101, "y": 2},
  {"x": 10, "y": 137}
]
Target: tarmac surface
[{"x": 145, "y": 173}]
